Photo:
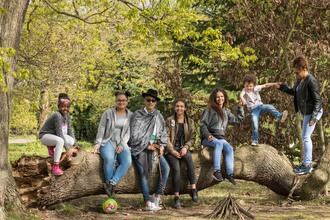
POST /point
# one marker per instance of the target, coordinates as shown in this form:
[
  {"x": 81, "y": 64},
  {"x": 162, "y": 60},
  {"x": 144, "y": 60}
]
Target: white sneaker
[
  {"x": 254, "y": 143},
  {"x": 152, "y": 207},
  {"x": 156, "y": 200},
  {"x": 284, "y": 116}
]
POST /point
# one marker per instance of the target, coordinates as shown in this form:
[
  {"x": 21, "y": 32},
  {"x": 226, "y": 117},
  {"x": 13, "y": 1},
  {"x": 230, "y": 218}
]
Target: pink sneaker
[
  {"x": 56, "y": 169},
  {"x": 51, "y": 150}
]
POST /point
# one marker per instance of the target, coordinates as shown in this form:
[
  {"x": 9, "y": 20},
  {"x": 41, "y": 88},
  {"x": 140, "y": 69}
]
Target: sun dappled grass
[
  {"x": 16, "y": 214},
  {"x": 35, "y": 148},
  {"x": 27, "y": 136},
  {"x": 67, "y": 207}
]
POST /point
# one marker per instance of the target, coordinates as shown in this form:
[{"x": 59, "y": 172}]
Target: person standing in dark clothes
[{"x": 307, "y": 101}]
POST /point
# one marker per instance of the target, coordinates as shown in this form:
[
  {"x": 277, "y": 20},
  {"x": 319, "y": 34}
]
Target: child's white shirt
[{"x": 252, "y": 98}]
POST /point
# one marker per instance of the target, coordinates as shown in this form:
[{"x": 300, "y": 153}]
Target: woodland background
[
  {"x": 222, "y": 41},
  {"x": 184, "y": 49}
]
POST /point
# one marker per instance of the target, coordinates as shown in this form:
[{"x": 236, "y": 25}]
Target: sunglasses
[
  {"x": 296, "y": 72},
  {"x": 151, "y": 100}
]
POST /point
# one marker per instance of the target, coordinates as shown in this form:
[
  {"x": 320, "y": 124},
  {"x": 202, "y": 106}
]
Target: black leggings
[{"x": 175, "y": 168}]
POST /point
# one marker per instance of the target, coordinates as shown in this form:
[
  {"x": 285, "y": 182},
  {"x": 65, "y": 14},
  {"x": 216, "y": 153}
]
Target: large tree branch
[
  {"x": 78, "y": 17},
  {"x": 75, "y": 7}
]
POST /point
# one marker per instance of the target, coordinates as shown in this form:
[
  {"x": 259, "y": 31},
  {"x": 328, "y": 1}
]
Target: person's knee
[
  {"x": 165, "y": 169},
  {"x": 218, "y": 145},
  {"x": 127, "y": 162},
  {"x": 175, "y": 168},
  {"x": 127, "y": 156},
  {"x": 60, "y": 142},
  {"x": 306, "y": 137}
]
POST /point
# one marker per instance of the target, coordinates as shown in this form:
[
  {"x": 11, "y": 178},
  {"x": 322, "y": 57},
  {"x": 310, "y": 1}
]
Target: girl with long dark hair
[
  {"x": 213, "y": 126},
  {"x": 181, "y": 136}
]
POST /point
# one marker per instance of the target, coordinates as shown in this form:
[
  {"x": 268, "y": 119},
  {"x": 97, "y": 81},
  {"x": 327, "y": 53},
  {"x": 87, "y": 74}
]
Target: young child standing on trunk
[
  {"x": 250, "y": 96},
  {"x": 57, "y": 133}
]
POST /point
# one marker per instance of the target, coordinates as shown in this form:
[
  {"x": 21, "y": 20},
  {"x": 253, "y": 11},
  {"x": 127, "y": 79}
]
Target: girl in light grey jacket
[{"x": 111, "y": 140}]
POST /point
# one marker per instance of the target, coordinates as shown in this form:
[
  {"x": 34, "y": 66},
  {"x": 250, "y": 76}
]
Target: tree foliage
[{"x": 276, "y": 31}]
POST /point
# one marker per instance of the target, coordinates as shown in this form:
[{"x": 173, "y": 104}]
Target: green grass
[
  {"x": 67, "y": 207},
  {"x": 16, "y": 214},
  {"x": 27, "y": 136},
  {"x": 35, "y": 148}
]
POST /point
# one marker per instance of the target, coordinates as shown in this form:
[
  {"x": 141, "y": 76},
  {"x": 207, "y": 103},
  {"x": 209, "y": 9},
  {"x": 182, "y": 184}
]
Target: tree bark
[
  {"x": 43, "y": 109},
  {"x": 10, "y": 34},
  {"x": 84, "y": 176}
]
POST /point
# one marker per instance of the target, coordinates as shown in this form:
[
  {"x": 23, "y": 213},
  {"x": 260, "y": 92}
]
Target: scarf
[{"x": 142, "y": 127}]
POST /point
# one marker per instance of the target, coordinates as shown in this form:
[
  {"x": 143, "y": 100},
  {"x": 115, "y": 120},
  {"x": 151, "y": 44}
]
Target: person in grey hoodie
[
  {"x": 111, "y": 141},
  {"x": 213, "y": 127},
  {"x": 57, "y": 133}
]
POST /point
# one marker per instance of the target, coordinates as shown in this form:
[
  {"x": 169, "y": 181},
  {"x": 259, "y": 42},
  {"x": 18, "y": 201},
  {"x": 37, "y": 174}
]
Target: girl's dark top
[{"x": 177, "y": 144}]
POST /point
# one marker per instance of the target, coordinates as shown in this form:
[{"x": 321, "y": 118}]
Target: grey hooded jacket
[
  {"x": 107, "y": 129},
  {"x": 212, "y": 124}
]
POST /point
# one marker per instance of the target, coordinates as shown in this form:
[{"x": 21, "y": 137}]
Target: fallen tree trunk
[{"x": 84, "y": 176}]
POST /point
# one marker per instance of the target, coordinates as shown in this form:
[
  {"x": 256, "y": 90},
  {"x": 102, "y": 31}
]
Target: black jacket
[{"x": 307, "y": 99}]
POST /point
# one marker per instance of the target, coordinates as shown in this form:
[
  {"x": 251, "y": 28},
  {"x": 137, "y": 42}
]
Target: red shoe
[
  {"x": 51, "y": 150},
  {"x": 56, "y": 169}
]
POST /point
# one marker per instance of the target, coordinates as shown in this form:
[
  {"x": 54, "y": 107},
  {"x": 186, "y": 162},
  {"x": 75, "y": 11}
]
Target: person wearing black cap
[{"x": 148, "y": 134}]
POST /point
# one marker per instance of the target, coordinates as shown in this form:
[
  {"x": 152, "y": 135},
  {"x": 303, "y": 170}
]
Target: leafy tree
[{"x": 23, "y": 119}]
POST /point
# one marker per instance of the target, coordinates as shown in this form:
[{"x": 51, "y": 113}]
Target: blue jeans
[
  {"x": 255, "y": 114},
  {"x": 144, "y": 180},
  {"x": 306, "y": 136},
  {"x": 219, "y": 145},
  {"x": 124, "y": 158}
]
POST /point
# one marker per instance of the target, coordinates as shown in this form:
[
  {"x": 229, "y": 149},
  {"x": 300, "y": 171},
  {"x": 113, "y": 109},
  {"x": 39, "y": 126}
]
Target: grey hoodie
[
  {"x": 53, "y": 125},
  {"x": 212, "y": 124},
  {"x": 107, "y": 128}
]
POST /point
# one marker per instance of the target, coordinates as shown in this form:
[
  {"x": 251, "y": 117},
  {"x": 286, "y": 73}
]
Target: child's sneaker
[
  {"x": 156, "y": 200},
  {"x": 51, "y": 150},
  {"x": 152, "y": 207},
  {"x": 284, "y": 116},
  {"x": 56, "y": 169},
  {"x": 303, "y": 169},
  {"x": 217, "y": 175},
  {"x": 230, "y": 179},
  {"x": 254, "y": 143}
]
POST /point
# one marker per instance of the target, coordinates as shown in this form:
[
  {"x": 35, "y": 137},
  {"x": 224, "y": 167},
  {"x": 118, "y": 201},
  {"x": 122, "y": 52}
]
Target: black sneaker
[
  {"x": 177, "y": 203},
  {"x": 194, "y": 195},
  {"x": 109, "y": 188},
  {"x": 217, "y": 175},
  {"x": 230, "y": 179}
]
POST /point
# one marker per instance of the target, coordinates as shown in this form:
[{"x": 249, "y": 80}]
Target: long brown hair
[
  {"x": 213, "y": 104},
  {"x": 185, "y": 113}
]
